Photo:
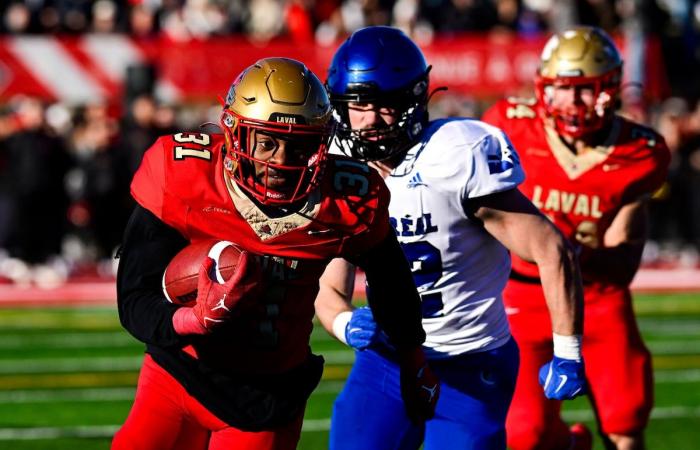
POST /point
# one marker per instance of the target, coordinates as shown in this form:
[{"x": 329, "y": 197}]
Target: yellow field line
[
  {"x": 676, "y": 361},
  {"x": 68, "y": 380},
  {"x": 72, "y": 380}
]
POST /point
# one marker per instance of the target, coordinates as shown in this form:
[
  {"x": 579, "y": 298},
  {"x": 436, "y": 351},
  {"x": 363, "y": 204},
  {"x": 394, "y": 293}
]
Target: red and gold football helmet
[
  {"x": 279, "y": 97},
  {"x": 580, "y": 57}
]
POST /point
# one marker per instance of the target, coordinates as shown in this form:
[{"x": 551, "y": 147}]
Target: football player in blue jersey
[{"x": 457, "y": 212}]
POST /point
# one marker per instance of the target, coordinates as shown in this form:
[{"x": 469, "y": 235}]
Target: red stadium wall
[{"x": 92, "y": 67}]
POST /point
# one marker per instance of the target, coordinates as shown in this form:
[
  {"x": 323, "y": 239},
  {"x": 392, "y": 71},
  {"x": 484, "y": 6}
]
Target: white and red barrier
[{"x": 91, "y": 68}]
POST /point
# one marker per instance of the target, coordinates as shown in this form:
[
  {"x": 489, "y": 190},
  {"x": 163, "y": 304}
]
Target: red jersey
[
  {"x": 582, "y": 193},
  {"x": 182, "y": 181}
]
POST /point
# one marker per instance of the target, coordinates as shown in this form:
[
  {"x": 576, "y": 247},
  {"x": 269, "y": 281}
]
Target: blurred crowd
[
  {"x": 65, "y": 169},
  {"x": 325, "y": 20},
  {"x": 675, "y": 231},
  {"x": 64, "y": 183}
]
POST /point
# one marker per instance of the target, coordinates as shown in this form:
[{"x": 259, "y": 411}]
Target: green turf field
[{"x": 67, "y": 376}]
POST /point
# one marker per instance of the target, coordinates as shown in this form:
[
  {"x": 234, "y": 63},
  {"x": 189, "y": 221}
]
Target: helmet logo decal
[
  {"x": 417, "y": 127},
  {"x": 570, "y": 73},
  {"x": 286, "y": 119},
  {"x": 231, "y": 96}
]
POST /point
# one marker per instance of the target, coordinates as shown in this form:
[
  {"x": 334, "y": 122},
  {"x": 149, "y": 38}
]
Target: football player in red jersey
[
  {"x": 591, "y": 172},
  {"x": 235, "y": 370}
]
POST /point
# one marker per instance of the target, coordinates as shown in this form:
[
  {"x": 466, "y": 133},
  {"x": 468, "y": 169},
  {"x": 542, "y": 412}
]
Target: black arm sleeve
[
  {"x": 147, "y": 248},
  {"x": 394, "y": 300}
]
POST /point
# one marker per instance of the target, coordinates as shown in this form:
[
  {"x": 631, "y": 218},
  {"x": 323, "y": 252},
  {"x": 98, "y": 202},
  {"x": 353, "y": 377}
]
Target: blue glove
[
  {"x": 361, "y": 331},
  {"x": 563, "y": 379}
]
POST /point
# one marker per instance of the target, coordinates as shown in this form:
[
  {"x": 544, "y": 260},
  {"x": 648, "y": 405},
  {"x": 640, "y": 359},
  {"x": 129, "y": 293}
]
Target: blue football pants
[{"x": 476, "y": 390}]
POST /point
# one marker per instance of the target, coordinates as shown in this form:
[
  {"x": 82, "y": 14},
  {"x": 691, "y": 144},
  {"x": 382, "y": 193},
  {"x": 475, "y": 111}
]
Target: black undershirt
[{"x": 147, "y": 248}]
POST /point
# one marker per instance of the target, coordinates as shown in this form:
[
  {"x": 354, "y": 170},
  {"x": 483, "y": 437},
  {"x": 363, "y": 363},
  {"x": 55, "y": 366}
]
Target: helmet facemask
[
  {"x": 581, "y": 58},
  {"x": 277, "y": 102},
  {"x": 379, "y": 67},
  {"x": 383, "y": 142},
  {"x": 579, "y": 119},
  {"x": 308, "y": 146}
]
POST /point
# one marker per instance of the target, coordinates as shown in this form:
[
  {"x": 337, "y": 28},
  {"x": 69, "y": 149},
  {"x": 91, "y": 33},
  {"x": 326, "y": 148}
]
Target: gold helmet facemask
[
  {"x": 580, "y": 57},
  {"x": 278, "y": 97}
]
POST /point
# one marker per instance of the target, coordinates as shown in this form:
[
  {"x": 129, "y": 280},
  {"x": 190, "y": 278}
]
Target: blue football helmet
[{"x": 382, "y": 66}]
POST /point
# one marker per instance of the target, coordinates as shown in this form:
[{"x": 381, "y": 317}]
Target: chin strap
[{"x": 435, "y": 91}]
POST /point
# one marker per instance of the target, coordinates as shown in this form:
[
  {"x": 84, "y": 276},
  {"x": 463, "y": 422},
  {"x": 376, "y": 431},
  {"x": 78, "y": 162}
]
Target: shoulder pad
[
  {"x": 519, "y": 108},
  {"x": 526, "y": 101},
  {"x": 357, "y": 198},
  {"x": 645, "y": 134},
  {"x": 174, "y": 170},
  {"x": 501, "y": 112}
]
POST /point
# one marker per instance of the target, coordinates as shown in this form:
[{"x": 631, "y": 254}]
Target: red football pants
[
  {"x": 165, "y": 417},
  {"x": 618, "y": 368}
]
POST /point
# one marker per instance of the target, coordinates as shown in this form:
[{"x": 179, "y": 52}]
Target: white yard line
[
  {"x": 315, "y": 425},
  {"x": 19, "y": 396},
  {"x": 30, "y": 434},
  {"x": 684, "y": 347},
  {"x": 310, "y": 426},
  {"x": 666, "y": 412},
  {"x": 676, "y": 376},
  {"x": 67, "y": 395},
  {"x": 124, "y": 363},
  {"x": 674, "y": 327},
  {"x": 133, "y": 363}
]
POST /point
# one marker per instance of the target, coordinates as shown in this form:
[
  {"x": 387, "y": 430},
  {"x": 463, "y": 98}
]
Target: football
[{"x": 181, "y": 275}]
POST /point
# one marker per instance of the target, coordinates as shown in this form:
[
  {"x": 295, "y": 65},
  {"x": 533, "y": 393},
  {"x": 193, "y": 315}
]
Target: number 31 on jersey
[{"x": 192, "y": 151}]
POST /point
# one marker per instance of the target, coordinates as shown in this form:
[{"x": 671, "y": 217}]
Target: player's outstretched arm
[
  {"x": 512, "y": 219},
  {"x": 334, "y": 299},
  {"x": 355, "y": 327}
]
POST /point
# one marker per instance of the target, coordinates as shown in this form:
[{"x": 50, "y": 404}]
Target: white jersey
[{"x": 459, "y": 268}]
